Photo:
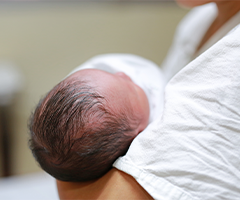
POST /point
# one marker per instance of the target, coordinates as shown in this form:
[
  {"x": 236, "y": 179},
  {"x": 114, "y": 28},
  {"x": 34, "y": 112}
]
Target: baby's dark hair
[{"x": 74, "y": 135}]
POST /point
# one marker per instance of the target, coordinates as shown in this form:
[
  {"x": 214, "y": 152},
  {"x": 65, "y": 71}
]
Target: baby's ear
[{"x": 132, "y": 134}]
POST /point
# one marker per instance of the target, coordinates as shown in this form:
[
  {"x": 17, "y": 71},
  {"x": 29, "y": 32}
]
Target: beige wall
[{"x": 47, "y": 40}]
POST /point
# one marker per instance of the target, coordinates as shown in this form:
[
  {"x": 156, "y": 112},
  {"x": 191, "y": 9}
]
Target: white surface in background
[
  {"x": 11, "y": 82},
  {"x": 39, "y": 186}
]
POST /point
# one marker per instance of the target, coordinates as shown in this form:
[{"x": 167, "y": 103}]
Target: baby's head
[{"x": 85, "y": 123}]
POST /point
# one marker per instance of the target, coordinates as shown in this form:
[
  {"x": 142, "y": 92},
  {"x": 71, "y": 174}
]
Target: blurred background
[{"x": 42, "y": 41}]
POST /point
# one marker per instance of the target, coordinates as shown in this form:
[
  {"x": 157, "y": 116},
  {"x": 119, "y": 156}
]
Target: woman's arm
[{"x": 114, "y": 185}]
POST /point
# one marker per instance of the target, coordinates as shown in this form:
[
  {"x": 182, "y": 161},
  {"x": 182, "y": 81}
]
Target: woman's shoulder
[{"x": 113, "y": 185}]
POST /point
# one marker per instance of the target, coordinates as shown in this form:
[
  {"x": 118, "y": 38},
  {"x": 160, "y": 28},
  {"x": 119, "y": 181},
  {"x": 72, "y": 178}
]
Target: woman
[
  {"x": 206, "y": 24},
  {"x": 170, "y": 159}
]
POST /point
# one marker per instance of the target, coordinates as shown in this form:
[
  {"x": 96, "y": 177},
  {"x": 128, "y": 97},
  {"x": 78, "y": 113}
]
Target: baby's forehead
[
  {"x": 107, "y": 84},
  {"x": 95, "y": 78},
  {"x": 89, "y": 73}
]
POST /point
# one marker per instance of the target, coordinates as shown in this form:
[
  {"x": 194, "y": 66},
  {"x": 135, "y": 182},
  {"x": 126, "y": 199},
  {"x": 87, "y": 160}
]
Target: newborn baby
[{"x": 91, "y": 117}]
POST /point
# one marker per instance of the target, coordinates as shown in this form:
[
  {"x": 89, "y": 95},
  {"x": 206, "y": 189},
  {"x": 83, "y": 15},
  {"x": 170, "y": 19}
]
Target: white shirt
[{"x": 192, "y": 150}]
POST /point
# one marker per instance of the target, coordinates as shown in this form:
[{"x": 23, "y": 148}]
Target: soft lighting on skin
[
  {"x": 192, "y": 3},
  {"x": 120, "y": 91}
]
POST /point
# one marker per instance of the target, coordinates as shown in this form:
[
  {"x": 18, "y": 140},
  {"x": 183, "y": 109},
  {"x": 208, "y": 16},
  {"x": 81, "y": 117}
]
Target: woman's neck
[{"x": 226, "y": 10}]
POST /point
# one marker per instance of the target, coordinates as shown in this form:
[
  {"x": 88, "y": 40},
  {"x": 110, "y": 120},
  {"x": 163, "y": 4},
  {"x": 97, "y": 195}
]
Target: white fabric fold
[{"x": 194, "y": 147}]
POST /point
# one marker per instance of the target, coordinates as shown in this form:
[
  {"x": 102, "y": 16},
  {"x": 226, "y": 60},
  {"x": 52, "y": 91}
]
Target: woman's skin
[
  {"x": 116, "y": 184},
  {"x": 226, "y": 10}
]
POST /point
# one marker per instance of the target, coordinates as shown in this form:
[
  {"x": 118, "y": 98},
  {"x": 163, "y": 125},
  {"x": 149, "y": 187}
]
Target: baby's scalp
[
  {"x": 119, "y": 91},
  {"x": 74, "y": 135}
]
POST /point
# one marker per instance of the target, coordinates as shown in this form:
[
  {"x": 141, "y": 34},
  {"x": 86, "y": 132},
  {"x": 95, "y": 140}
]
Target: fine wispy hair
[{"x": 74, "y": 135}]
